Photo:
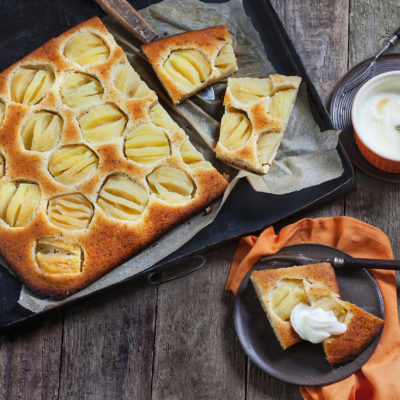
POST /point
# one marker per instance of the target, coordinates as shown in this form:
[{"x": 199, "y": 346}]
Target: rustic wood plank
[
  {"x": 197, "y": 353},
  {"x": 371, "y": 24},
  {"x": 375, "y": 202},
  {"x": 30, "y": 361},
  {"x": 108, "y": 346},
  {"x": 319, "y": 32},
  {"x": 264, "y": 387}
]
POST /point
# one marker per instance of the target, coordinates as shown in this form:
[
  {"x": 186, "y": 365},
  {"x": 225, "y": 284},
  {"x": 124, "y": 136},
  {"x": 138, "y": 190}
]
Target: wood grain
[
  {"x": 375, "y": 202},
  {"x": 30, "y": 361},
  {"x": 197, "y": 353},
  {"x": 319, "y": 32},
  {"x": 108, "y": 346},
  {"x": 264, "y": 387},
  {"x": 371, "y": 24}
]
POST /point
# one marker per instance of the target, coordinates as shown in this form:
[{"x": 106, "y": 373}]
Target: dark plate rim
[{"x": 281, "y": 376}]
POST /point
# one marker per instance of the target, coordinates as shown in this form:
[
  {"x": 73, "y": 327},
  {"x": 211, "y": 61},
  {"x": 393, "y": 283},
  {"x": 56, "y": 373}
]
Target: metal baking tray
[{"x": 23, "y": 28}]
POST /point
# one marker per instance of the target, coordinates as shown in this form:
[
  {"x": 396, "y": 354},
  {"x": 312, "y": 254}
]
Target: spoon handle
[{"x": 338, "y": 262}]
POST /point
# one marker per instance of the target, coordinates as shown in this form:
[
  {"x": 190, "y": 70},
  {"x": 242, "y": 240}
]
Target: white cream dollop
[{"x": 315, "y": 324}]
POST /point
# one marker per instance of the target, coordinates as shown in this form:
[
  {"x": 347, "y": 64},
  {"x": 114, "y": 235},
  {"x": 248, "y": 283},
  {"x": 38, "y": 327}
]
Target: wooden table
[{"x": 177, "y": 341}]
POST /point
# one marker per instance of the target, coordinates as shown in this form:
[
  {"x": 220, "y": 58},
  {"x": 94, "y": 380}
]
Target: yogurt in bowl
[{"x": 375, "y": 116}]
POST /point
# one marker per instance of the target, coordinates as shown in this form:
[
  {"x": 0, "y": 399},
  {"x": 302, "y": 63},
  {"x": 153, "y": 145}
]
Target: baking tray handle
[{"x": 176, "y": 269}]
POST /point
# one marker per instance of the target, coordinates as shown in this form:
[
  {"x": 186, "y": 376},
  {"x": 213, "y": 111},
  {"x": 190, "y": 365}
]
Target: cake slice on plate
[
  {"x": 314, "y": 287},
  {"x": 280, "y": 290}
]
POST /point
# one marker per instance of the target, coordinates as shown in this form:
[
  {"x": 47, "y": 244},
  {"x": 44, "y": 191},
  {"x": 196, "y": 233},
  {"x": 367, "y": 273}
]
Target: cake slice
[
  {"x": 257, "y": 112},
  {"x": 188, "y": 62},
  {"x": 362, "y": 327},
  {"x": 280, "y": 290}
]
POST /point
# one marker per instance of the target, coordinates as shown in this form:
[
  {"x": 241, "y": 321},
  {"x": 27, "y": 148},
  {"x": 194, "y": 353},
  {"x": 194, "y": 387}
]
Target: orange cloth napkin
[{"x": 379, "y": 378}]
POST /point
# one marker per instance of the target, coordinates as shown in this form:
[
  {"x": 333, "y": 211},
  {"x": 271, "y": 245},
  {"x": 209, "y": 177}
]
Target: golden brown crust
[
  {"x": 321, "y": 272},
  {"x": 107, "y": 241},
  {"x": 362, "y": 327},
  {"x": 208, "y": 42},
  {"x": 265, "y": 281},
  {"x": 361, "y": 331},
  {"x": 256, "y": 101}
]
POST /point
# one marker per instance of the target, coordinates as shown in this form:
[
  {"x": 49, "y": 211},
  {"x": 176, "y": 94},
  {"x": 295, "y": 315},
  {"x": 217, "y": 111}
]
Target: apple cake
[
  {"x": 280, "y": 290},
  {"x": 362, "y": 326},
  {"x": 92, "y": 167},
  {"x": 257, "y": 112},
  {"x": 190, "y": 61}
]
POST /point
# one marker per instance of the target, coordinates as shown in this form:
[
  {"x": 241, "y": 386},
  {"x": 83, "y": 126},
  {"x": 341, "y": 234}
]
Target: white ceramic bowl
[{"x": 378, "y": 157}]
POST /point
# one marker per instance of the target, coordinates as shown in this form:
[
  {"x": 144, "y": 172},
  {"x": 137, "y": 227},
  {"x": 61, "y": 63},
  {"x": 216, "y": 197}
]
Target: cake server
[
  {"x": 337, "y": 262},
  {"x": 129, "y": 18},
  {"x": 133, "y": 22}
]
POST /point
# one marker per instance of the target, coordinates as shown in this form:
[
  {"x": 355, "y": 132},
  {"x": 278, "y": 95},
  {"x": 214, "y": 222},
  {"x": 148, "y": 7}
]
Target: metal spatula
[
  {"x": 133, "y": 22},
  {"x": 129, "y": 18}
]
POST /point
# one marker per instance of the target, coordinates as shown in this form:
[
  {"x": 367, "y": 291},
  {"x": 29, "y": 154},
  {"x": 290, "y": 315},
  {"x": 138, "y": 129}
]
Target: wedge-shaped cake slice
[
  {"x": 257, "y": 112},
  {"x": 362, "y": 327},
  {"x": 190, "y": 61},
  {"x": 280, "y": 290}
]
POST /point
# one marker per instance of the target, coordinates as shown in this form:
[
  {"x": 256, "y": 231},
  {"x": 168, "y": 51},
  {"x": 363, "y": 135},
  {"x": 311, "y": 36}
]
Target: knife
[
  {"x": 338, "y": 262},
  {"x": 133, "y": 22}
]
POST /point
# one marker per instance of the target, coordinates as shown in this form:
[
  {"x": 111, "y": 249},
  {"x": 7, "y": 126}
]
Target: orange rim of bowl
[{"x": 382, "y": 163}]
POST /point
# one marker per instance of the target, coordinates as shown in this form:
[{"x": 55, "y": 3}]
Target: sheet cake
[{"x": 92, "y": 167}]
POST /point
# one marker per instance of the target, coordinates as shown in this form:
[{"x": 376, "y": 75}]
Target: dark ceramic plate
[
  {"x": 340, "y": 109},
  {"x": 304, "y": 363}
]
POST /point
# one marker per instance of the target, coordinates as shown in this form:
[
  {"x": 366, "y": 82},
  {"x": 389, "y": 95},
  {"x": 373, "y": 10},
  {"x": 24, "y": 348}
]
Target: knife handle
[
  {"x": 365, "y": 263},
  {"x": 129, "y": 18}
]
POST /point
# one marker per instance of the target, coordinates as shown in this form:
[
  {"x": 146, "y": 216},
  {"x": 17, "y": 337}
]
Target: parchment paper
[{"x": 305, "y": 158}]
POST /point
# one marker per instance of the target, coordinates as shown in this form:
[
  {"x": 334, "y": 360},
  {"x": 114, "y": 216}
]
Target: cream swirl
[{"x": 315, "y": 324}]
